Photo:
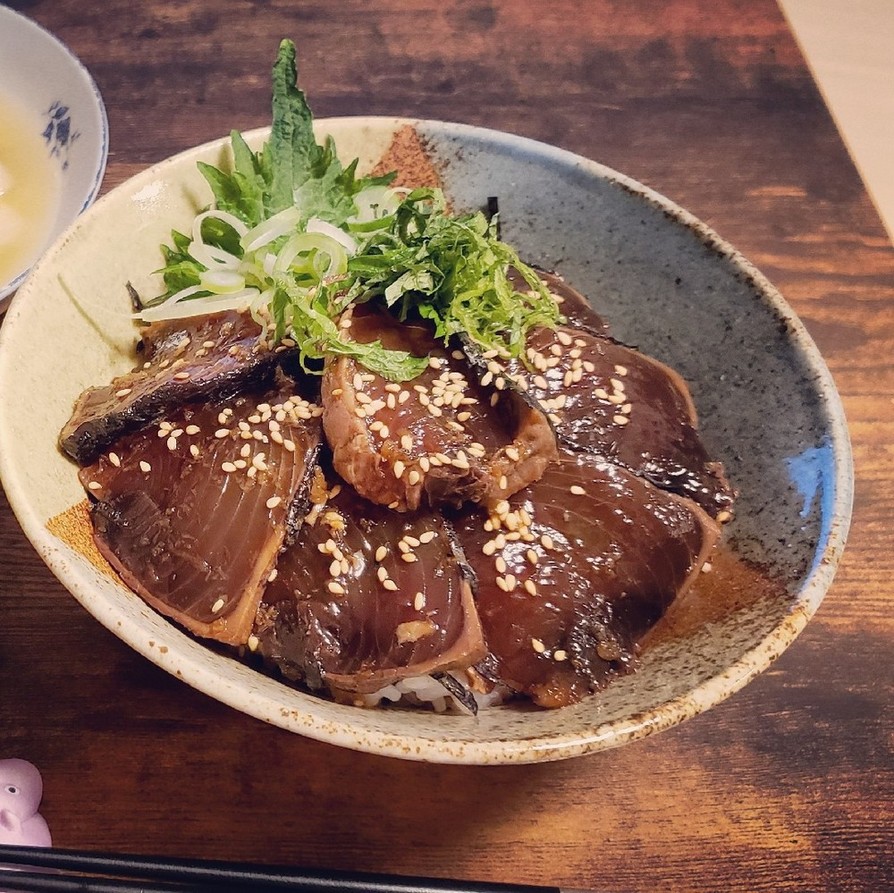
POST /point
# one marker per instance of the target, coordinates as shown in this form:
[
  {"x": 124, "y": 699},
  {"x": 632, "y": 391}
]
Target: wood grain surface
[{"x": 789, "y": 785}]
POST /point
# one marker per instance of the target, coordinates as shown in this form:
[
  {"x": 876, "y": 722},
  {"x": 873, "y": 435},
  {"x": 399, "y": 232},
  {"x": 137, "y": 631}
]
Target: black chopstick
[{"x": 120, "y": 873}]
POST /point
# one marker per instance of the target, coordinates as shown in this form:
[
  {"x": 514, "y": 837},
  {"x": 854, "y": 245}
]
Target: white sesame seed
[
  {"x": 577, "y": 490},
  {"x": 381, "y": 553},
  {"x": 228, "y": 467},
  {"x": 94, "y": 485},
  {"x": 115, "y": 460},
  {"x": 273, "y": 502},
  {"x": 620, "y": 419},
  {"x": 217, "y": 606},
  {"x": 194, "y": 451},
  {"x": 560, "y": 655},
  {"x": 530, "y": 587},
  {"x": 335, "y": 587},
  {"x": 145, "y": 467},
  {"x": 419, "y": 601},
  {"x": 399, "y": 468},
  {"x": 123, "y": 392},
  {"x": 409, "y": 557},
  {"x": 390, "y": 585},
  {"x": 427, "y": 537},
  {"x": 413, "y": 478},
  {"x": 181, "y": 376},
  {"x": 538, "y": 646},
  {"x": 220, "y": 433}
]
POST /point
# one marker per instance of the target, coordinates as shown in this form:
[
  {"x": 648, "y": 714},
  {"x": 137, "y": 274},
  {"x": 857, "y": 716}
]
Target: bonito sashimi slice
[
  {"x": 442, "y": 438},
  {"x": 365, "y": 597},
  {"x": 187, "y": 360},
  {"x": 574, "y": 569},
  {"x": 611, "y": 400},
  {"x": 192, "y": 511}
]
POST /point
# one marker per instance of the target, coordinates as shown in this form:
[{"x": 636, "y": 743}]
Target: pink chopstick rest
[{"x": 21, "y": 789}]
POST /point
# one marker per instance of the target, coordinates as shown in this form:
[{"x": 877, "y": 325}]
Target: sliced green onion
[{"x": 271, "y": 229}]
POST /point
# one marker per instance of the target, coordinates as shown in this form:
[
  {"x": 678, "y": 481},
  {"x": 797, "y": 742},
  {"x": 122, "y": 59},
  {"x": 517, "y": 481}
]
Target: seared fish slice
[
  {"x": 366, "y": 597},
  {"x": 200, "y": 358},
  {"x": 441, "y": 438},
  {"x": 611, "y": 400},
  {"x": 573, "y": 569},
  {"x": 192, "y": 511}
]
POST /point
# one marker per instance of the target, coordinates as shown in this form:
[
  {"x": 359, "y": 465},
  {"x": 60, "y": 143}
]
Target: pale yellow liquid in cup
[{"x": 29, "y": 190}]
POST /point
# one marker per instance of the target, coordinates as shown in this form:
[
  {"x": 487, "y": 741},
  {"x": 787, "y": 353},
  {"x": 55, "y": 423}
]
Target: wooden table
[{"x": 787, "y": 786}]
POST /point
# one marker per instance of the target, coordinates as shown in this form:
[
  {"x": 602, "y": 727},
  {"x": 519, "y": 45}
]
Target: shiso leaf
[{"x": 414, "y": 256}]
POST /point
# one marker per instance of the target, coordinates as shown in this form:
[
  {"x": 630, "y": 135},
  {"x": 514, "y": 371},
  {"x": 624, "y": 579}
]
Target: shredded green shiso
[{"x": 296, "y": 236}]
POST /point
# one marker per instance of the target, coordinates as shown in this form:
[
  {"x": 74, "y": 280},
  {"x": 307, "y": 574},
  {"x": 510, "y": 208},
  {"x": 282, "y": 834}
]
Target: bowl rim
[
  {"x": 90, "y": 196},
  {"x": 186, "y": 663}
]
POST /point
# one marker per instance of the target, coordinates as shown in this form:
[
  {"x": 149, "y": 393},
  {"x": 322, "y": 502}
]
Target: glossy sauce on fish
[
  {"x": 366, "y": 596},
  {"x": 444, "y": 437},
  {"x": 573, "y": 569},
  {"x": 192, "y": 511}
]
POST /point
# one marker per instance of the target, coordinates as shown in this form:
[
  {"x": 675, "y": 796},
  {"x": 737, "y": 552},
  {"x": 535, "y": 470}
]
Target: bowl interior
[
  {"x": 41, "y": 74},
  {"x": 666, "y": 283}
]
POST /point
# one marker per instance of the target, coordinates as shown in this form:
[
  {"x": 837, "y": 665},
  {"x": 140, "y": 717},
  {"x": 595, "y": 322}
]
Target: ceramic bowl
[
  {"x": 41, "y": 79},
  {"x": 665, "y": 281}
]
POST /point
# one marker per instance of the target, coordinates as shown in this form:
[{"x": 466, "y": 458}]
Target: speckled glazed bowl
[
  {"x": 768, "y": 408},
  {"x": 41, "y": 76}
]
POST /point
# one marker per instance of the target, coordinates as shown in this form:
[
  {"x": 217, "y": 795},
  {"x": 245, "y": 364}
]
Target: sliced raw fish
[
  {"x": 366, "y": 597},
  {"x": 611, "y": 400},
  {"x": 187, "y": 360},
  {"x": 192, "y": 511},
  {"x": 573, "y": 569},
  {"x": 442, "y": 438}
]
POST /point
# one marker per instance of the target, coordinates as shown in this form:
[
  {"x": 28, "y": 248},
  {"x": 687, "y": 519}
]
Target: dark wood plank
[{"x": 790, "y": 784}]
